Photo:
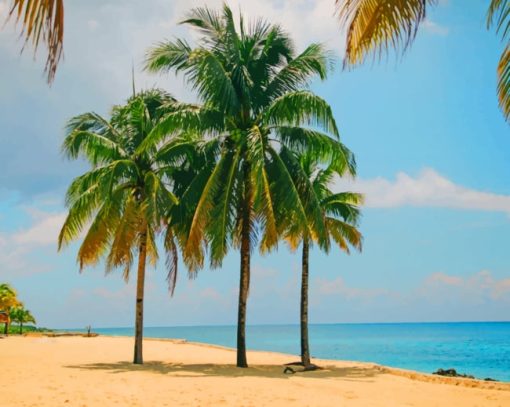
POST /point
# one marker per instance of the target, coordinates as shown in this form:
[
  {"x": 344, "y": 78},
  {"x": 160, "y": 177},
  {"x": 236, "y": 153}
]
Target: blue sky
[{"x": 433, "y": 155}]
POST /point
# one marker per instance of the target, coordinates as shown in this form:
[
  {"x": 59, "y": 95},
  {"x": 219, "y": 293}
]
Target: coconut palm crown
[
  {"x": 122, "y": 202},
  {"x": 255, "y": 108}
]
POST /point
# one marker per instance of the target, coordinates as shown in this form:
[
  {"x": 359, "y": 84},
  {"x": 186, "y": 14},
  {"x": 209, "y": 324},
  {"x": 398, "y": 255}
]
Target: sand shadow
[{"x": 223, "y": 370}]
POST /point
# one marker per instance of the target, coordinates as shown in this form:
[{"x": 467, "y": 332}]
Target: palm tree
[
  {"x": 254, "y": 108},
  {"x": 341, "y": 214},
  {"x": 21, "y": 316},
  {"x": 8, "y": 300},
  {"x": 124, "y": 198},
  {"x": 374, "y": 26}
]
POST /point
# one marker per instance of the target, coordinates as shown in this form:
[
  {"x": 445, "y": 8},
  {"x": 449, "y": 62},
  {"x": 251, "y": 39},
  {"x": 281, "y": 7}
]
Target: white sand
[{"x": 76, "y": 371}]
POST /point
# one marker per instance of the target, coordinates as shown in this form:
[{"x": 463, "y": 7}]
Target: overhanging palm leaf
[
  {"x": 374, "y": 26},
  {"x": 42, "y": 20},
  {"x": 499, "y": 15}
]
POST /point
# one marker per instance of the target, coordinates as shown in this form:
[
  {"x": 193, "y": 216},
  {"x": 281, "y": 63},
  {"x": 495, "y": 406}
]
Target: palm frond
[
  {"x": 100, "y": 233},
  {"x": 314, "y": 214},
  {"x": 504, "y": 82},
  {"x": 301, "y": 108},
  {"x": 344, "y": 234},
  {"x": 318, "y": 145},
  {"x": 172, "y": 259},
  {"x": 125, "y": 239},
  {"x": 185, "y": 119},
  {"x": 208, "y": 76},
  {"x": 42, "y": 20},
  {"x": 263, "y": 199},
  {"x": 168, "y": 55},
  {"x": 224, "y": 208},
  {"x": 193, "y": 255},
  {"x": 207, "y": 21},
  {"x": 374, "y": 26},
  {"x": 313, "y": 61},
  {"x": 499, "y": 15},
  {"x": 290, "y": 207}
]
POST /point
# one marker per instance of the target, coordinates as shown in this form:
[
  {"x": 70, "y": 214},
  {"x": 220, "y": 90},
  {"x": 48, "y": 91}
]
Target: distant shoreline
[{"x": 293, "y": 324}]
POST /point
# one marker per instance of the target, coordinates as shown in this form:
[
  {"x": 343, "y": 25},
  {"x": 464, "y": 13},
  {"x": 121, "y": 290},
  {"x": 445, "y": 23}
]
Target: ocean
[{"x": 481, "y": 349}]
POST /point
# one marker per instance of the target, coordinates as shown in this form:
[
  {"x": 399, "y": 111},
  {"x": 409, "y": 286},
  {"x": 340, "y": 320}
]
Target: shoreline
[
  {"x": 408, "y": 373},
  {"x": 46, "y": 371}
]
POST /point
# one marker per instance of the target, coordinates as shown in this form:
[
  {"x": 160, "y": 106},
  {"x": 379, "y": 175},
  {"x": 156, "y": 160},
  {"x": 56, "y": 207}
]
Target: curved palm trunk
[
  {"x": 244, "y": 281},
  {"x": 305, "y": 346},
  {"x": 140, "y": 283}
]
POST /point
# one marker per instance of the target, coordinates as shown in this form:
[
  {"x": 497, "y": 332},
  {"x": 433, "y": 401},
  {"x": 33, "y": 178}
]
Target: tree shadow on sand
[{"x": 223, "y": 370}]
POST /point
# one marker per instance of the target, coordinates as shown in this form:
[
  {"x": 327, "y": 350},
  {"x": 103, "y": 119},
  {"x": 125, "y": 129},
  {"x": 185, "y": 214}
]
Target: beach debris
[
  {"x": 452, "y": 373},
  {"x": 288, "y": 370},
  {"x": 308, "y": 368}
]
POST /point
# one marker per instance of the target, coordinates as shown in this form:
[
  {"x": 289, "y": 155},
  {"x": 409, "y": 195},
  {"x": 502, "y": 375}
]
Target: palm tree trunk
[
  {"x": 140, "y": 283},
  {"x": 244, "y": 281},
  {"x": 305, "y": 346},
  {"x": 21, "y": 328},
  {"x": 6, "y": 329}
]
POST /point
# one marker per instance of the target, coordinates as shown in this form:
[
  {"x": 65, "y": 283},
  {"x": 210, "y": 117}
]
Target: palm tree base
[{"x": 306, "y": 368}]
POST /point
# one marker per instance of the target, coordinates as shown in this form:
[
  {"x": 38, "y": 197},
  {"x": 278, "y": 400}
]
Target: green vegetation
[
  {"x": 14, "y": 329},
  {"x": 12, "y": 310},
  {"x": 21, "y": 316}
]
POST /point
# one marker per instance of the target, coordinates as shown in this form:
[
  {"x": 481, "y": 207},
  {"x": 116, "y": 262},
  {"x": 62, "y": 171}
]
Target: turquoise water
[{"x": 481, "y": 349}]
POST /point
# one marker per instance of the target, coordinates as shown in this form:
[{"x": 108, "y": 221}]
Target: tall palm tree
[
  {"x": 123, "y": 199},
  {"x": 254, "y": 107},
  {"x": 374, "y": 26},
  {"x": 8, "y": 300},
  {"x": 22, "y": 316},
  {"x": 341, "y": 214}
]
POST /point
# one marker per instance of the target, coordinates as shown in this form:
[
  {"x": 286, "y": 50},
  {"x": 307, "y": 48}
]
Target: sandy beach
[{"x": 77, "y": 371}]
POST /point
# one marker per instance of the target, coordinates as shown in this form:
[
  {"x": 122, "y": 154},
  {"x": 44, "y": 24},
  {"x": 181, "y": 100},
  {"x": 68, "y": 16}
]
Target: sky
[{"x": 433, "y": 155}]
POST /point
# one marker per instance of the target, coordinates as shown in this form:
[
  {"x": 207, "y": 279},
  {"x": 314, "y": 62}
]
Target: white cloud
[
  {"x": 16, "y": 248},
  {"x": 478, "y": 288},
  {"x": 3, "y": 9},
  {"x": 339, "y": 287},
  {"x": 92, "y": 24},
  {"x": 438, "y": 297},
  {"x": 43, "y": 232},
  {"x": 434, "y": 28},
  {"x": 428, "y": 189}
]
